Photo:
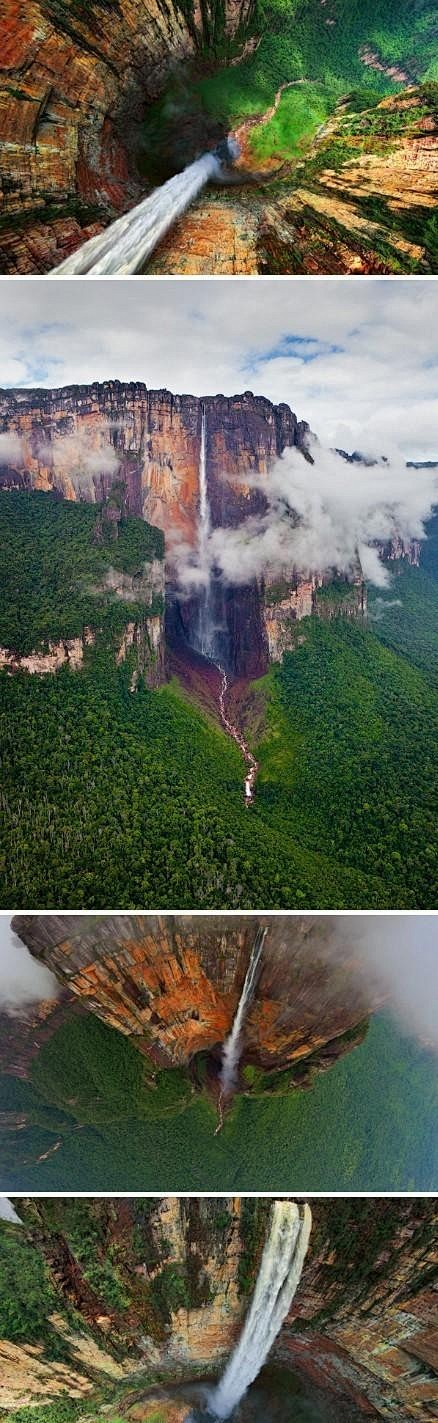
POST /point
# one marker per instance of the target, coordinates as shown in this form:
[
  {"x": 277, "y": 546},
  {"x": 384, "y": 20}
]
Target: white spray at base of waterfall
[
  {"x": 125, "y": 245},
  {"x": 232, "y": 1045},
  {"x": 277, "y": 1282}
]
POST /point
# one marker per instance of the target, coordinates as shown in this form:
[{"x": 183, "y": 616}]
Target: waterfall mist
[
  {"x": 398, "y": 953},
  {"x": 125, "y": 245},
  {"x": 278, "y": 1279},
  {"x": 232, "y": 1045}
]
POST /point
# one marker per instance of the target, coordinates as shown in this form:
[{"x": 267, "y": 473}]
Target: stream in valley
[{"x": 232, "y": 730}]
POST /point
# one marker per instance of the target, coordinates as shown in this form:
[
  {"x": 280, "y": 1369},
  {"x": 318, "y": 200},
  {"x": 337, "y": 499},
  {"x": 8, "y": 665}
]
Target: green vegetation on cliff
[
  {"x": 300, "y": 40},
  {"x": 315, "y": 53},
  {"x": 350, "y": 753},
  {"x": 27, "y": 1295},
  {"x": 54, "y": 558}
]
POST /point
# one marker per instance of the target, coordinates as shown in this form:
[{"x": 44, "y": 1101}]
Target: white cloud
[
  {"x": 400, "y": 953},
  {"x": 23, "y": 980},
  {"x": 205, "y": 337},
  {"x": 326, "y": 517}
]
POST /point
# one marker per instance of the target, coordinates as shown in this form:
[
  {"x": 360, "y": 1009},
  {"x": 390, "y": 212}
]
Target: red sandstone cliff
[
  {"x": 173, "y": 983},
  {"x": 76, "y": 440},
  {"x": 74, "y": 84},
  {"x": 156, "y": 438},
  {"x": 362, "y": 1327}
]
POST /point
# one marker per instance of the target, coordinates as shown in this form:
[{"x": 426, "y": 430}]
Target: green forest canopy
[
  {"x": 54, "y": 555},
  {"x": 367, "y": 1124}
]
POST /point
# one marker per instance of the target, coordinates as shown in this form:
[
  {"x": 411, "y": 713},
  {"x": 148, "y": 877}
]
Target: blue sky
[{"x": 355, "y": 357}]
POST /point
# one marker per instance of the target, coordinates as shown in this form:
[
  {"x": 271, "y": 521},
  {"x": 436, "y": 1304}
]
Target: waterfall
[
  {"x": 125, "y": 245},
  {"x": 8, "y": 1212},
  {"x": 232, "y": 1046},
  {"x": 278, "y": 1279},
  {"x": 205, "y": 631}
]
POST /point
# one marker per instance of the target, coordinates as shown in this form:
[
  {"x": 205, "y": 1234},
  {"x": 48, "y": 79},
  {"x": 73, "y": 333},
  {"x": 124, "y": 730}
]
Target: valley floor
[{"x": 367, "y": 1124}]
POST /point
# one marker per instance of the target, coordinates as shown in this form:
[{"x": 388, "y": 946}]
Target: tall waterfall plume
[
  {"x": 278, "y": 1279},
  {"x": 205, "y": 629},
  {"x": 232, "y": 1046},
  {"x": 126, "y": 244}
]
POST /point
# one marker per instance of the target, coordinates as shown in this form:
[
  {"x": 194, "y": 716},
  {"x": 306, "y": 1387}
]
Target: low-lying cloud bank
[
  {"x": 324, "y": 517},
  {"x": 76, "y": 456},
  {"x": 23, "y": 981},
  {"x": 400, "y": 953}
]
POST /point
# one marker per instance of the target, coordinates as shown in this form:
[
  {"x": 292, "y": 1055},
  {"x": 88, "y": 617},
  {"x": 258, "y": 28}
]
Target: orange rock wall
[
  {"x": 74, "y": 82},
  {"x": 173, "y": 983},
  {"x": 362, "y": 1326},
  {"x": 155, "y": 438}
]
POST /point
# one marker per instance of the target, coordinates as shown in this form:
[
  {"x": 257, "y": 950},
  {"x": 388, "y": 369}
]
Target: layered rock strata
[
  {"x": 74, "y": 84},
  {"x": 150, "y": 441},
  {"x": 173, "y": 983},
  {"x": 362, "y": 1327}
]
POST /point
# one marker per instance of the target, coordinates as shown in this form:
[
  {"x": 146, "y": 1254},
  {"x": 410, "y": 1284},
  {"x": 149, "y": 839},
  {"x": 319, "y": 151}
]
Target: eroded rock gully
[{"x": 360, "y": 1328}]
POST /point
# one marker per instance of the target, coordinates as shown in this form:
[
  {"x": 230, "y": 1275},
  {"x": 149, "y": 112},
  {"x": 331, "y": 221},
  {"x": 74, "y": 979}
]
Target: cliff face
[
  {"x": 154, "y": 439},
  {"x": 164, "y": 1284},
  {"x": 74, "y": 83},
  {"x": 76, "y": 440},
  {"x": 173, "y": 983},
  {"x": 369, "y": 1295},
  {"x": 285, "y": 603},
  {"x": 363, "y": 198}
]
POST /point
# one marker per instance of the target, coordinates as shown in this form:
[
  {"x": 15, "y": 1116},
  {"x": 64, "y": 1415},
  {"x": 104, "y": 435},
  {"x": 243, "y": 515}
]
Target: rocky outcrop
[
  {"x": 160, "y": 1287},
  {"x": 359, "y": 201},
  {"x": 143, "y": 640},
  {"x": 173, "y": 984},
  {"x": 27, "y": 1378},
  {"x": 285, "y": 603},
  {"x": 59, "y": 654},
  {"x": 147, "y": 641},
  {"x": 75, "y": 81},
  {"x": 363, "y": 199}
]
